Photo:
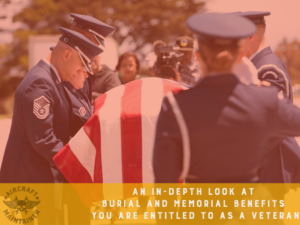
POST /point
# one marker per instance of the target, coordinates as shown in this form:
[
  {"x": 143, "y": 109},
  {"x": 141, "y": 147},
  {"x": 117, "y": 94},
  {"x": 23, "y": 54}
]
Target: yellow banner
[{"x": 149, "y": 204}]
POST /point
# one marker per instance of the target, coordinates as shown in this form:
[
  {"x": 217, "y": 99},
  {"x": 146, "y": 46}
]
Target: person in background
[
  {"x": 189, "y": 67},
  {"x": 104, "y": 78},
  {"x": 128, "y": 67}
]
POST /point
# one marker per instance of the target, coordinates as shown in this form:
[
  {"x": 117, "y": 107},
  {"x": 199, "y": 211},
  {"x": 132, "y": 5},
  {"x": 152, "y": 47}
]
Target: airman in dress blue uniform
[
  {"x": 81, "y": 97},
  {"x": 41, "y": 118},
  {"x": 96, "y": 31},
  {"x": 283, "y": 162},
  {"x": 228, "y": 123}
]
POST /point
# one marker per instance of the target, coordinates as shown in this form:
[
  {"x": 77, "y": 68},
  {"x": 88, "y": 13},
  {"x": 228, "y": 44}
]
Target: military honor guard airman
[
  {"x": 80, "y": 94},
  {"x": 96, "y": 31},
  {"x": 283, "y": 162},
  {"x": 217, "y": 131},
  {"x": 41, "y": 117}
]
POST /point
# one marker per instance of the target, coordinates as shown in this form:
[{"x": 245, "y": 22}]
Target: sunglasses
[{"x": 85, "y": 60}]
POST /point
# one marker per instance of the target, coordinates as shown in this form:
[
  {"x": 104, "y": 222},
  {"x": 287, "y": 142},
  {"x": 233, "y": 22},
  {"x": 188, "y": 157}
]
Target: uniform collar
[
  {"x": 219, "y": 79},
  {"x": 54, "y": 69},
  {"x": 258, "y": 55}
]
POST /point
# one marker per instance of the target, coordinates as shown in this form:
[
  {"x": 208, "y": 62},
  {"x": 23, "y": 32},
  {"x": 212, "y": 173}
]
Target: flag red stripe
[
  {"x": 92, "y": 129},
  {"x": 71, "y": 168},
  {"x": 131, "y": 133}
]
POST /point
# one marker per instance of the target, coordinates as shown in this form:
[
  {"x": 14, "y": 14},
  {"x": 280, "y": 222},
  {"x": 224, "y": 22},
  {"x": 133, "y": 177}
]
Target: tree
[
  {"x": 138, "y": 23},
  {"x": 289, "y": 53}
]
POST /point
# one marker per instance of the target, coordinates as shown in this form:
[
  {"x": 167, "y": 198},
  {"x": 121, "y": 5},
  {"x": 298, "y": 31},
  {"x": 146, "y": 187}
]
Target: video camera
[{"x": 167, "y": 59}]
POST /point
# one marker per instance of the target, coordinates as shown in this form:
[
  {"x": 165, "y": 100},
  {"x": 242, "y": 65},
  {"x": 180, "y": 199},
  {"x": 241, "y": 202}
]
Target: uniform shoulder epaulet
[
  {"x": 274, "y": 73},
  {"x": 270, "y": 71}
]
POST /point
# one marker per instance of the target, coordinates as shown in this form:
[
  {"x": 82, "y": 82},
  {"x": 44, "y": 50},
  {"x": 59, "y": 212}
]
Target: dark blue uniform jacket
[
  {"x": 81, "y": 108},
  {"x": 87, "y": 88},
  {"x": 283, "y": 163},
  {"x": 229, "y": 124},
  {"x": 40, "y": 128}
]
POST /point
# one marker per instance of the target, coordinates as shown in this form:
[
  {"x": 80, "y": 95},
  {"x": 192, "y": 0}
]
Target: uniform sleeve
[
  {"x": 168, "y": 153},
  {"x": 111, "y": 81},
  {"x": 287, "y": 119},
  {"x": 277, "y": 78},
  {"x": 38, "y": 115}
]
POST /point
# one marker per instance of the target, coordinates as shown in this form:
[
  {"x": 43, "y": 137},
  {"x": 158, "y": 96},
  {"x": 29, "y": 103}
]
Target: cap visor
[{"x": 100, "y": 41}]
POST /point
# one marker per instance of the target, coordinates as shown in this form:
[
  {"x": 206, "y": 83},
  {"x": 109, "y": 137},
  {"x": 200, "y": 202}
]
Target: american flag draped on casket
[{"x": 116, "y": 143}]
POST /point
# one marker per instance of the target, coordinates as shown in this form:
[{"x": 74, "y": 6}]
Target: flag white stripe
[
  {"x": 110, "y": 126},
  {"x": 150, "y": 108},
  {"x": 87, "y": 157}
]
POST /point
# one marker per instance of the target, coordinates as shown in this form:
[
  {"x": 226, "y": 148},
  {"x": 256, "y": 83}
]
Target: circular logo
[
  {"x": 183, "y": 43},
  {"x": 82, "y": 111},
  {"x": 21, "y": 202}
]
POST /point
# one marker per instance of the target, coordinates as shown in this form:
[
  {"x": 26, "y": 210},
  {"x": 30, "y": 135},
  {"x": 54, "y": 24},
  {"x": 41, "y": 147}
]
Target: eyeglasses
[{"x": 85, "y": 60}]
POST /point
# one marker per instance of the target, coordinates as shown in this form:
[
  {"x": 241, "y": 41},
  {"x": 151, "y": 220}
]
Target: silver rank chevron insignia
[{"x": 41, "y": 107}]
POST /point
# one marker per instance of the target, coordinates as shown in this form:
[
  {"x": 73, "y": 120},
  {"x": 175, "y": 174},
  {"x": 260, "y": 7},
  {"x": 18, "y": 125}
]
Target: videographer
[
  {"x": 188, "y": 67},
  {"x": 175, "y": 62},
  {"x": 164, "y": 62}
]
